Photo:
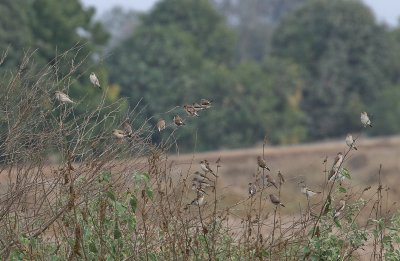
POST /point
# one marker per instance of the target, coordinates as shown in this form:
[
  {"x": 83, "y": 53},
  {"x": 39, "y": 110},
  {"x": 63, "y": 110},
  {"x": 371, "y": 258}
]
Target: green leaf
[
  {"x": 342, "y": 190},
  {"x": 345, "y": 172},
  {"x": 120, "y": 208},
  {"x": 153, "y": 256},
  {"x": 111, "y": 195},
  {"x": 133, "y": 202},
  {"x": 149, "y": 192},
  {"x": 117, "y": 232},
  {"x": 92, "y": 247},
  {"x": 142, "y": 177}
]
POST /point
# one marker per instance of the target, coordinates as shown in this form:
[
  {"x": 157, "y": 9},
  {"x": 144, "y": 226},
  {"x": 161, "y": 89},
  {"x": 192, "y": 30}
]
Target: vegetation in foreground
[{"x": 106, "y": 197}]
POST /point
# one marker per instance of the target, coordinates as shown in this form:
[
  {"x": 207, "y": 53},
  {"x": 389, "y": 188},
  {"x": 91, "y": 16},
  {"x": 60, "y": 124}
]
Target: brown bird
[
  {"x": 202, "y": 176},
  {"x": 190, "y": 110},
  {"x": 350, "y": 141},
  {"x": 275, "y": 200},
  {"x": 63, "y": 98},
  {"x": 308, "y": 192},
  {"x": 205, "y": 166},
  {"x": 197, "y": 106},
  {"x": 339, "y": 209},
  {"x": 94, "y": 80},
  {"x": 261, "y": 163},
  {"x": 271, "y": 180},
  {"x": 127, "y": 128},
  {"x": 119, "y": 134},
  {"x": 199, "y": 200},
  {"x": 178, "y": 121},
  {"x": 335, "y": 167},
  {"x": 252, "y": 189},
  {"x": 205, "y": 103},
  {"x": 161, "y": 124}
]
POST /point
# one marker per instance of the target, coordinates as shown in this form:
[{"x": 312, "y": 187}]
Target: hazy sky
[{"x": 385, "y": 10}]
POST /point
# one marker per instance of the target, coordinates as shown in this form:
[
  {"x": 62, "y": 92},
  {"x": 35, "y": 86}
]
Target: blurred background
[{"x": 295, "y": 70}]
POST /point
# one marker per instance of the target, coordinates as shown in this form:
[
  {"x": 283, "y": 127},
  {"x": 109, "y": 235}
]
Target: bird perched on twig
[
  {"x": 262, "y": 163},
  {"x": 190, "y": 110},
  {"x": 271, "y": 180},
  {"x": 119, "y": 134},
  {"x": 127, "y": 128},
  {"x": 197, "y": 107},
  {"x": 252, "y": 189},
  {"x": 178, "y": 121},
  {"x": 94, "y": 80},
  {"x": 339, "y": 209},
  {"x": 205, "y": 103},
  {"x": 350, "y": 141},
  {"x": 308, "y": 192},
  {"x": 63, "y": 98},
  {"x": 205, "y": 166},
  {"x": 335, "y": 167},
  {"x": 275, "y": 200},
  {"x": 199, "y": 200},
  {"x": 160, "y": 124},
  {"x": 365, "y": 119}
]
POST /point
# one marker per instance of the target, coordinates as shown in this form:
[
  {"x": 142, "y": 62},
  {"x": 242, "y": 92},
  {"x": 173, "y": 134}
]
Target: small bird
[
  {"x": 308, "y": 192},
  {"x": 63, "y": 98},
  {"x": 119, "y": 134},
  {"x": 205, "y": 103},
  {"x": 275, "y": 200},
  {"x": 339, "y": 208},
  {"x": 218, "y": 162},
  {"x": 261, "y": 163},
  {"x": 178, "y": 121},
  {"x": 350, "y": 141},
  {"x": 127, "y": 128},
  {"x": 205, "y": 166},
  {"x": 335, "y": 167},
  {"x": 202, "y": 176},
  {"x": 94, "y": 80},
  {"x": 252, "y": 189},
  {"x": 271, "y": 180},
  {"x": 365, "y": 119},
  {"x": 161, "y": 124},
  {"x": 199, "y": 200},
  {"x": 281, "y": 178},
  {"x": 200, "y": 184},
  {"x": 190, "y": 110}
]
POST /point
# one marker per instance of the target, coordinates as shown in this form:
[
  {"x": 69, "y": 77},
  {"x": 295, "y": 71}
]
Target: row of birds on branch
[{"x": 192, "y": 110}]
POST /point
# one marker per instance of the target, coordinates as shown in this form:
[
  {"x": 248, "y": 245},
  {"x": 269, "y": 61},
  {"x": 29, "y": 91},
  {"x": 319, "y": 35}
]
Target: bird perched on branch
[
  {"x": 199, "y": 200},
  {"x": 205, "y": 166},
  {"x": 271, "y": 180},
  {"x": 205, "y": 103},
  {"x": 127, "y": 128},
  {"x": 178, "y": 121},
  {"x": 190, "y": 110},
  {"x": 119, "y": 134},
  {"x": 63, "y": 98},
  {"x": 252, "y": 189},
  {"x": 365, "y": 119},
  {"x": 262, "y": 163},
  {"x": 350, "y": 141},
  {"x": 160, "y": 124},
  {"x": 275, "y": 200},
  {"x": 94, "y": 80},
  {"x": 335, "y": 167},
  {"x": 308, "y": 192}
]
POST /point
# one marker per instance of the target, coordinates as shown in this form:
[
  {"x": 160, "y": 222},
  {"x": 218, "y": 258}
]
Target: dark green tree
[{"x": 341, "y": 48}]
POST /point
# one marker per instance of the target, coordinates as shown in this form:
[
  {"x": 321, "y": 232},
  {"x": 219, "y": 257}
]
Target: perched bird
[
  {"x": 365, "y": 119},
  {"x": 308, "y": 192},
  {"x": 205, "y": 103},
  {"x": 119, "y": 134},
  {"x": 350, "y": 141},
  {"x": 200, "y": 175},
  {"x": 275, "y": 200},
  {"x": 63, "y": 98},
  {"x": 161, "y": 124},
  {"x": 94, "y": 80},
  {"x": 199, "y": 200},
  {"x": 335, "y": 167},
  {"x": 261, "y": 163},
  {"x": 271, "y": 180},
  {"x": 127, "y": 128},
  {"x": 281, "y": 178},
  {"x": 205, "y": 166},
  {"x": 190, "y": 110},
  {"x": 178, "y": 121},
  {"x": 218, "y": 162},
  {"x": 339, "y": 209},
  {"x": 199, "y": 184},
  {"x": 252, "y": 189}
]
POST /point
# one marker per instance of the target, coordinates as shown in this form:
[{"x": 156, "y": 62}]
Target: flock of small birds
[
  {"x": 201, "y": 181},
  {"x": 192, "y": 110}
]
